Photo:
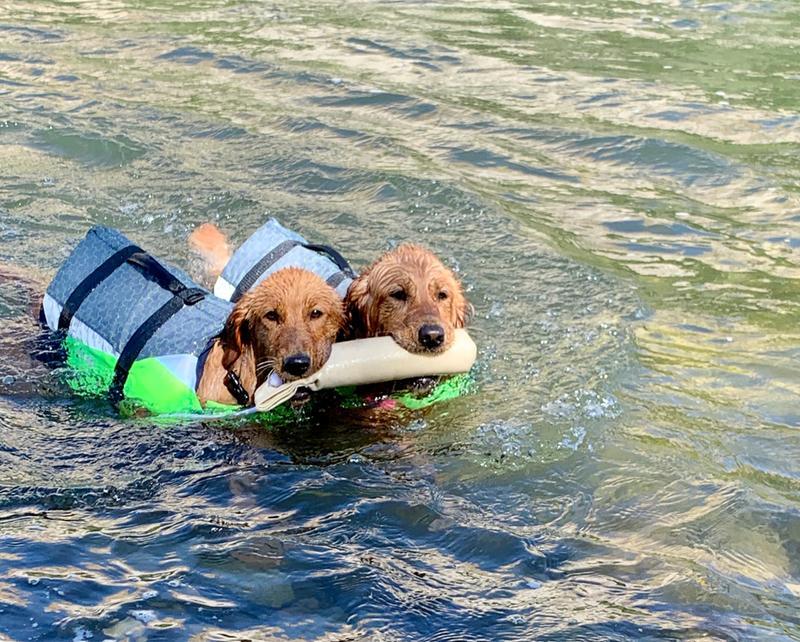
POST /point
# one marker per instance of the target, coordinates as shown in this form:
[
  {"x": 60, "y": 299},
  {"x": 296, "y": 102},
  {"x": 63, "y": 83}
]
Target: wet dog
[
  {"x": 410, "y": 295},
  {"x": 286, "y": 324}
]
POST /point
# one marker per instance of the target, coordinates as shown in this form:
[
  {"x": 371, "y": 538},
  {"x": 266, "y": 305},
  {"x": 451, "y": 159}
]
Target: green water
[{"x": 616, "y": 183}]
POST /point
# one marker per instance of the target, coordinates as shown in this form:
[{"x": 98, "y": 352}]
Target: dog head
[
  {"x": 411, "y": 296},
  {"x": 289, "y": 321}
]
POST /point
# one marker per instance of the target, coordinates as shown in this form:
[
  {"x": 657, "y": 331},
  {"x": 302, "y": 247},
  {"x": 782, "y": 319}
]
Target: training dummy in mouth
[{"x": 367, "y": 361}]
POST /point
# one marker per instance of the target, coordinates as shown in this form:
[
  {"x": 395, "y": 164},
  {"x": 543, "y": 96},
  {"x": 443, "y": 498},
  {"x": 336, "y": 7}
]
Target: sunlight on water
[{"x": 616, "y": 185}]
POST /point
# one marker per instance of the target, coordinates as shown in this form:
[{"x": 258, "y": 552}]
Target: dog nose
[
  {"x": 431, "y": 336},
  {"x": 297, "y": 364}
]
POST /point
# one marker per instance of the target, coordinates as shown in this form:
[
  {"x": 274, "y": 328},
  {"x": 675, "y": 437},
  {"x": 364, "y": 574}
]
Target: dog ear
[
  {"x": 235, "y": 336},
  {"x": 463, "y": 309},
  {"x": 357, "y": 307},
  {"x": 340, "y": 314}
]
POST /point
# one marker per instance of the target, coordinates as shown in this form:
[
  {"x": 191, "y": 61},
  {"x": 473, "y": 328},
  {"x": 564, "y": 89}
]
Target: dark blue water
[{"x": 616, "y": 185}]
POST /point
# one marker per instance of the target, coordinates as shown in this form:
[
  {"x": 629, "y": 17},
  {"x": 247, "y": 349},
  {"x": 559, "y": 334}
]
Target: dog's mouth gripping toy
[{"x": 367, "y": 361}]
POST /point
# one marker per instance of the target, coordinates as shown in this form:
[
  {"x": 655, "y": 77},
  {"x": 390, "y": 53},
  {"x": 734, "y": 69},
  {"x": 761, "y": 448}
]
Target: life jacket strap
[
  {"x": 92, "y": 280},
  {"x": 263, "y": 264},
  {"x": 249, "y": 279},
  {"x": 137, "y": 258},
  {"x": 152, "y": 270}
]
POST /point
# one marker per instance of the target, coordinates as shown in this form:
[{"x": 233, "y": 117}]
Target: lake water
[{"x": 616, "y": 183}]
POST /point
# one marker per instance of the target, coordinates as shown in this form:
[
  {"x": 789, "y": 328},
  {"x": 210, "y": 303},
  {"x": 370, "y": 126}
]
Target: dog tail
[{"x": 212, "y": 245}]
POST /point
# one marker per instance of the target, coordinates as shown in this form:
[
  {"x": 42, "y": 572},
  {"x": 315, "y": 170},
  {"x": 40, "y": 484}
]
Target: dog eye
[
  {"x": 272, "y": 315},
  {"x": 399, "y": 295},
  {"x": 316, "y": 313},
  {"x": 442, "y": 295}
]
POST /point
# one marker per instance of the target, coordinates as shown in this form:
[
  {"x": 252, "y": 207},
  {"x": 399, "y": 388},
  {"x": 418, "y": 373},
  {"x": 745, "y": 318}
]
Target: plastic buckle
[{"x": 190, "y": 296}]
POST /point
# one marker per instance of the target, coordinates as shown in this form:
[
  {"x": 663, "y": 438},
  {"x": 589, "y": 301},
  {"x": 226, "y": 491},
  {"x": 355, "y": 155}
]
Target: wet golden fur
[
  {"x": 293, "y": 311},
  {"x": 401, "y": 292}
]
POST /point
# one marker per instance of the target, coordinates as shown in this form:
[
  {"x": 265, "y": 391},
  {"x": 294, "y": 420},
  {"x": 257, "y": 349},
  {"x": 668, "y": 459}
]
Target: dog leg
[{"x": 212, "y": 246}]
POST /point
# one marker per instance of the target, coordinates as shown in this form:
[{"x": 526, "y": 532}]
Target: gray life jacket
[
  {"x": 272, "y": 247},
  {"x": 133, "y": 326}
]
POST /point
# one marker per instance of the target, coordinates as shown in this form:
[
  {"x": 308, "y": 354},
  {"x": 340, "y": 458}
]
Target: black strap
[
  {"x": 249, "y": 279},
  {"x": 91, "y": 281},
  {"x": 152, "y": 270},
  {"x": 255, "y": 272},
  {"x": 334, "y": 256},
  {"x": 183, "y": 296},
  {"x": 235, "y": 387}
]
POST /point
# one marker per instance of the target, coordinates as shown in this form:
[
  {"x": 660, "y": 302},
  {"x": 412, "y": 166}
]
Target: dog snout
[
  {"x": 297, "y": 364},
  {"x": 431, "y": 335}
]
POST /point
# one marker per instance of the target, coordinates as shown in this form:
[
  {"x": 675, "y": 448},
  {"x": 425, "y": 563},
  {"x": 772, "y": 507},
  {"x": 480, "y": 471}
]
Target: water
[{"x": 617, "y": 185}]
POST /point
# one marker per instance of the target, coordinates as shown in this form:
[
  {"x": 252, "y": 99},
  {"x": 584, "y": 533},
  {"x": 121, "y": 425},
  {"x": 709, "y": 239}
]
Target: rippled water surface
[{"x": 617, "y": 185}]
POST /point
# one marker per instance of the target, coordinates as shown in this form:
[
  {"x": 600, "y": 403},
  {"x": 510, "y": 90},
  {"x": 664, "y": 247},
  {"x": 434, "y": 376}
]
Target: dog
[
  {"x": 292, "y": 310},
  {"x": 407, "y": 293},
  {"x": 410, "y": 295},
  {"x": 286, "y": 324}
]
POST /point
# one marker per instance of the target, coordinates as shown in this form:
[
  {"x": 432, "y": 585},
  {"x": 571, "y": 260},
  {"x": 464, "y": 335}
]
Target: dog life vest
[
  {"x": 273, "y": 247},
  {"x": 134, "y": 328}
]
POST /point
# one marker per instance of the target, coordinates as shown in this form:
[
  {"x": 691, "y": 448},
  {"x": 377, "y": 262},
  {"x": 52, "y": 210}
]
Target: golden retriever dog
[
  {"x": 286, "y": 324},
  {"x": 410, "y": 295}
]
